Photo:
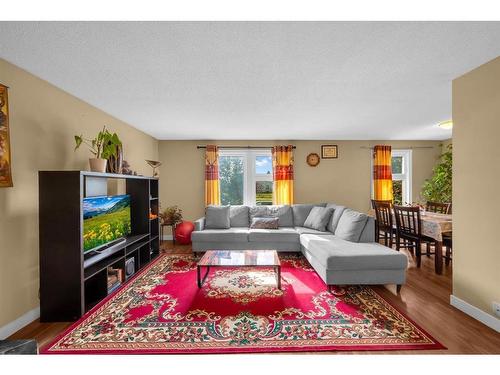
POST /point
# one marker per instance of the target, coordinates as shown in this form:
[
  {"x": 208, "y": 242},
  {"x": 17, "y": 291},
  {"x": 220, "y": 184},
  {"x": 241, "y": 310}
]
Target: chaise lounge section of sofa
[{"x": 343, "y": 253}]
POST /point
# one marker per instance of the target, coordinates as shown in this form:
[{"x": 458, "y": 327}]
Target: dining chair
[
  {"x": 448, "y": 244},
  {"x": 409, "y": 229},
  {"x": 440, "y": 208},
  {"x": 374, "y": 201},
  {"x": 384, "y": 221}
]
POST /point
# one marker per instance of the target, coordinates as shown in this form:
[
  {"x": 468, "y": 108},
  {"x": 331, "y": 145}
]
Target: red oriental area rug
[{"x": 162, "y": 310}]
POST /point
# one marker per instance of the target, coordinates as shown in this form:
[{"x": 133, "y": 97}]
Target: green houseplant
[
  {"x": 439, "y": 187},
  {"x": 171, "y": 215},
  {"x": 103, "y": 146}
]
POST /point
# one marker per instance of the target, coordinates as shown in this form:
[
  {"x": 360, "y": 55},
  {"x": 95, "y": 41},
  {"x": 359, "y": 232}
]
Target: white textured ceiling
[{"x": 259, "y": 80}]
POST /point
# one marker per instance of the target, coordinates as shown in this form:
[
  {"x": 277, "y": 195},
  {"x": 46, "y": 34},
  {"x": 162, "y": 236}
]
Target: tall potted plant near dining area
[{"x": 439, "y": 187}]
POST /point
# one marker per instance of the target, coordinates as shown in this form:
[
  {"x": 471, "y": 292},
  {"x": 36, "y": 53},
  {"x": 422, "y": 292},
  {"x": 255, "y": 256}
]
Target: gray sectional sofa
[{"x": 340, "y": 245}]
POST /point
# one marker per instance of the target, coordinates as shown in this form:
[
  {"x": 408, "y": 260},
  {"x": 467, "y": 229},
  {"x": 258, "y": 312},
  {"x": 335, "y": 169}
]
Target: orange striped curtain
[
  {"x": 382, "y": 173},
  {"x": 283, "y": 174},
  {"x": 212, "y": 187}
]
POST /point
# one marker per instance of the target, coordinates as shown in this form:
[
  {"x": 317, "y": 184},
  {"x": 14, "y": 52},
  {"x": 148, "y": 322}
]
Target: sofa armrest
[{"x": 199, "y": 224}]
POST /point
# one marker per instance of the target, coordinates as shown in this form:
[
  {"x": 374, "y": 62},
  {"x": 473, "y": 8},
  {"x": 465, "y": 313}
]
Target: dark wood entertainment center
[{"x": 69, "y": 288}]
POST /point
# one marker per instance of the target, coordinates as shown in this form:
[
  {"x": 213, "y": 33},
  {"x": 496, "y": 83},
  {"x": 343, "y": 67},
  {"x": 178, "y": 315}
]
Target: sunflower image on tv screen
[{"x": 105, "y": 219}]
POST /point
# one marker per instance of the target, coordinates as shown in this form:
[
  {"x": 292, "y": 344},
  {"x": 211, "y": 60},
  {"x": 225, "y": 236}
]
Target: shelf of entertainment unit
[
  {"x": 153, "y": 199},
  {"x": 154, "y": 238},
  {"x": 103, "y": 264},
  {"x": 131, "y": 244},
  {"x": 116, "y": 175},
  {"x": 133, "y": 239},
  {"x": 133, "y": 249}
]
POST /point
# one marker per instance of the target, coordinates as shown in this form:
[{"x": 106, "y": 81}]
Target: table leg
[
  {"x": 438, "y": 257},
  {"x": 198, "y": 275},
  {"x": 278, "y": 276},
  {"x": 200, "y": 279}
]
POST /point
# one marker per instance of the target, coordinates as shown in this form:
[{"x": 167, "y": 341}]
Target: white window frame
[
  {"x": 250, "y": 177},
  {"x": 406, "y": 176}
]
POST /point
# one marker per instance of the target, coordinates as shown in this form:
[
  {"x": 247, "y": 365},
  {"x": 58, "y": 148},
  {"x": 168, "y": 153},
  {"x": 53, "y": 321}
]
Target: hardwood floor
[{"x": 425, "y": 298}]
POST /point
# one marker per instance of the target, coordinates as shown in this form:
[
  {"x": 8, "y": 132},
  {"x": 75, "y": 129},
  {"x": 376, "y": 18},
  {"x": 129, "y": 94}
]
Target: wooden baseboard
[{"x": 478, "y": 314}]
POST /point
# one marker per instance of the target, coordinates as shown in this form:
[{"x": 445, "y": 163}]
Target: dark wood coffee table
[{"x": 239, "y": 258}]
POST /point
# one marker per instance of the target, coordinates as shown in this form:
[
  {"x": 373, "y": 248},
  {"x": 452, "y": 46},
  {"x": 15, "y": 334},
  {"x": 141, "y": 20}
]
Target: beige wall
[
  {"x": 345, "y": 180},
  {"x": 445, "y": 144},
  {"x": 476, "y": 181},
  {"x": 43, "y": 120}
]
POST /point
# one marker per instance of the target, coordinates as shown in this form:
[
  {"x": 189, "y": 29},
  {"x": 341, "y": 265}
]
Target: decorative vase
[
  {"x": 98, "y": 165},
  {"x": 115, "y": 163}
]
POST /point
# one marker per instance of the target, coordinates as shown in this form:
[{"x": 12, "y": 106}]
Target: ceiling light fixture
[{"x": 448, "y": 124}]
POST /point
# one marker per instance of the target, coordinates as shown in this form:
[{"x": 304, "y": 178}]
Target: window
[
  {"x": 401, "y": 176},
  {"x": 263, "y": 179},
  {"x": 246, "y": 177}
]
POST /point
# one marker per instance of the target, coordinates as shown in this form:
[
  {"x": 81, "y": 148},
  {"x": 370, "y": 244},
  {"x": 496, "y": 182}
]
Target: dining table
[{"x": 434, "y": 225}]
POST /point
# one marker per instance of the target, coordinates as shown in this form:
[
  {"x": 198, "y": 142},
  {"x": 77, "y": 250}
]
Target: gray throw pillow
[
  {"x": 368, "y": 233},
  {"x": 258, "y": 211},
  {"x": 238, "y": 216},
  {"x": 265, "y": 223},
  {"x": 217, "y": 217},
  {"x": 334, "y": 220},
  {"x": 351, "y": 225},
  {"x": 318, "y": 218},
  {"x": 300, "y": 212},
  {"x": 283, "y": 213}
]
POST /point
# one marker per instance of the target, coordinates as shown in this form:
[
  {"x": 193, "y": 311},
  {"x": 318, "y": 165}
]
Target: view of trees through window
[
  {"x": 264, "y": 180},
  {"x": 397, "y": 190},
  {"x": 231, "y": 179},
  {"x": 397, "y": 185},
  {"x": 263, "y": 193},
  {"x": 397, "y": 164}
]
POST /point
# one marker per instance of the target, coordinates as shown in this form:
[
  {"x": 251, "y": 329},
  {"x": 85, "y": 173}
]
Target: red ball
[{"x": 183, "y": 233}]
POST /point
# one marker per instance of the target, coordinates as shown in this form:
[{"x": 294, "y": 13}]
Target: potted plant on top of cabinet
[{"x": 103, "y": 146}]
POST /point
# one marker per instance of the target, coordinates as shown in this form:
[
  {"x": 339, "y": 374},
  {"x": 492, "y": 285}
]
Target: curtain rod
[
  {"x": 249, "y": 147},
  {"x": 400, "y": 147}
]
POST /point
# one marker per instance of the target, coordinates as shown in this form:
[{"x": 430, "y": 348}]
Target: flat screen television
[{"x": 106, "y": 219}]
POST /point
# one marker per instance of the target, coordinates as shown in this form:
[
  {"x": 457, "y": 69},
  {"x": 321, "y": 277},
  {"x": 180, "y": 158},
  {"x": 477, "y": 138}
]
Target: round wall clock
[{"x": 312, "y": 159}]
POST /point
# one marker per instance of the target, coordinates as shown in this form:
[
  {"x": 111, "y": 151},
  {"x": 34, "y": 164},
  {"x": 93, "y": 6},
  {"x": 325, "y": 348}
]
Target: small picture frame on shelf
[{"x": 329, "y": 152}]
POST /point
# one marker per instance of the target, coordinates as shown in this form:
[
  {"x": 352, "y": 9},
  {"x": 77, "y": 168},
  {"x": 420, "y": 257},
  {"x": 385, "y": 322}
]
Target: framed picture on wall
[
  {"x": 329, "y": 152},
  {"x": 5, "y": 171}
]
